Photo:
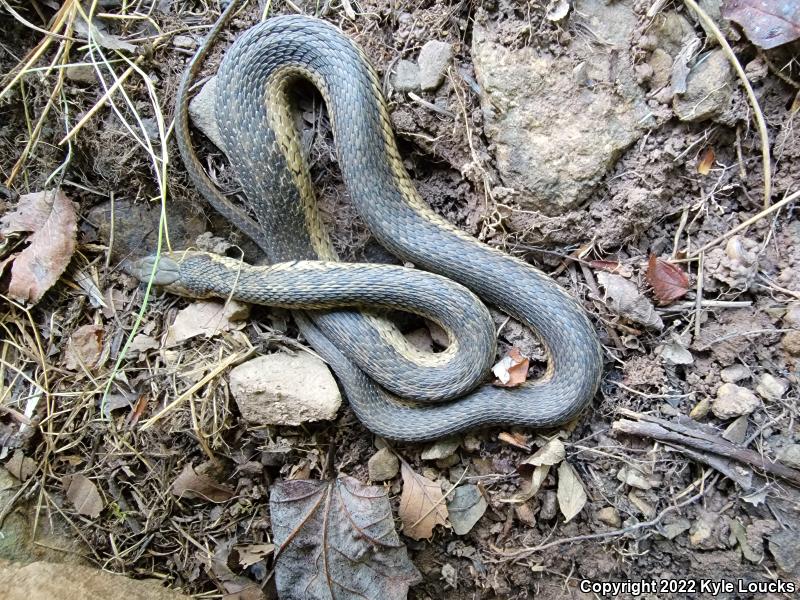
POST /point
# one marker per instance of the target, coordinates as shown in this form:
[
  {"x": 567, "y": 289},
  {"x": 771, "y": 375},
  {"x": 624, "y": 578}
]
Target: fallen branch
[{"x": 693, "y": 435}]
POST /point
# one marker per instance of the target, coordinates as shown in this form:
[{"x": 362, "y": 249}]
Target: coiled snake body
[{"x": 261, "y": 141}]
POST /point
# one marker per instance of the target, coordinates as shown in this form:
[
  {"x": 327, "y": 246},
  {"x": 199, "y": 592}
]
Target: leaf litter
[{"x": 422, "y": 504}]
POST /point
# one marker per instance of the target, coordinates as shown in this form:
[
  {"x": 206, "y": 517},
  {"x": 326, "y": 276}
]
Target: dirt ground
[{"x": 664, "y": 187}]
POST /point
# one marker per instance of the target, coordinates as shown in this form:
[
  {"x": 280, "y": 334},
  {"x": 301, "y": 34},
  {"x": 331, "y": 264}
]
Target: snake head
[{"x": 166, "y": 271}]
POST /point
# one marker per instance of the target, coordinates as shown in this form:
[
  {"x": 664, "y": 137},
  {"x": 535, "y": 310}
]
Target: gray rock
[
  {"x": 186, "y": 42},
  {"x": 201, "y": 112},
  {"x": 406, "y": 76},
  {"x": 552, "y": 152},
  {"x": 81, "y": 74},
  {"x": 790, "y": 456},
  {"x": 281, "y": 389},
  {"x": 771, "y": 388},
  {"x": 441, "y": 449},
  {"x": 734, "y": 401},
  {"x": 434, "y": 58},
  {"x": 383, "y": 465},
  {"x": 674, "y": 528},
  {"x": 785, "y": 547},
  {"x": 734, "y": 373},
  {"x": 736, "y": 432},
  {"x": 709, "y": 88}
]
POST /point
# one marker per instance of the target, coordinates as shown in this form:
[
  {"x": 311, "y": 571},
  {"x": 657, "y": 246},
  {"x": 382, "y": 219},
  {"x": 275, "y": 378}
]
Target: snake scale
[{"x": 255, "y": 117}]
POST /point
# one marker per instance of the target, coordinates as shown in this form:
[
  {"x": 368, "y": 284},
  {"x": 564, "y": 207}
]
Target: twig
[
  {"x": 767, "y": 211},
  {"x": 693, "y": 436},
  {"x": 605, "y": 534},
  {"x": 711, "y": 26}
]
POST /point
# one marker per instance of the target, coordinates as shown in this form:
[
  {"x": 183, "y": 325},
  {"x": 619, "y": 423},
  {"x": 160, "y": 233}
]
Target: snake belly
[{"x": 256, "y": 122}]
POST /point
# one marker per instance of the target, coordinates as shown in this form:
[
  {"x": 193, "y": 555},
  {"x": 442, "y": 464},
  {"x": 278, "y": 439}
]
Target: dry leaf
[
  {"x": 84, "y": 347},
  {"x": 422, "y": 505},
  {"x": 612, "y": 266},
  {"x": 516, "y": 439},
  {"x": 669, "y": 282},
  {"x": 512, "y": 370},
  {"x": 571, "y": 495},
  {"x": 557, "y": 10},
  {"x": 21, "y": 466},
  {"x": 625, "y": 299},
  {"x": 207, "y": 318},
  {"x": 189, "y": 484},
  {"x": 551, "y": 453},
  {"x": 83, "y": 494},
  {"x": 250, "y": 554},
  {"x": 767, "y": 23},
  {"x": 706, "y": 161},
  {"x": 466, "y": 508},
  {"x": 531, "y": 488},
  {"x": 336, "y": 539},
  {"x": 49, "y": 218}
]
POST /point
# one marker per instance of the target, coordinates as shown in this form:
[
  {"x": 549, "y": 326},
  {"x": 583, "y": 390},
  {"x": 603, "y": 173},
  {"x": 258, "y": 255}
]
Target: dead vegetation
[{"x": 121, "y": 426}]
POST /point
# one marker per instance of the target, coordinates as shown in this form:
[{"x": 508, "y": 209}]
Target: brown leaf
[
  {"x": 706, "y": 161},
  {"x": 512, "y": 370},
  {"x": 49, "y": 219},
  {"x": 83, "y": 494},
  {"x": 422, "y": 505},
  {"x": 624, "y": 298},
  {"x": 250, "y": 554},
  {"x": 612, "y": 266},
  {"x": 767, "y": 23},
  {"x": 21, "y": 466},
  {"x": 190, "y": 484},
  {"x": 531, "y": 487},
  {"x": 552, "y": 453},
  {"x": 515, "y": 439},
  {"x": 336, "y": 539},
  {"x": 669, "y": 282},
  {"x": 571, "y": 495},
  {"x": 84, "y": 347}
]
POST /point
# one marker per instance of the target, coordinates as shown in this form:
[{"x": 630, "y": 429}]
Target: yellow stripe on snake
[{"x": 395, "y": 392}]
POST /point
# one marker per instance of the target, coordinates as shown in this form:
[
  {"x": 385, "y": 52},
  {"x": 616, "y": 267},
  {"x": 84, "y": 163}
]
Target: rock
[
  {"x": 661, "y": 64},
  {"x": 736, "y": 265},
  {"x": 791, "y": 343},
  {"x": 524, "y": 513},
  {"x": 791, "y": 317},
  {"x": 185, "y": 42},
  {"x": 672, "y": 32},
  {"x": 281, "y": 389},
  {"x": 709, "y": 88},
  {"x": 54, "y": 539},
  {"x": 633, "y": 478},
  {"x": 383, "y": 465},
  {"x": 202, "y": 114},
  {"x": 734, "y": 373},
  {"x": 674, "y": 528},
  {"x": 700, "y": 532},
  {"x": 675, "y": 354},
  {"x": 771, "y": 388},
  {"x": 785, "y": 547},
  {"x": 472, "y": 443},
  {"x": 434, "y": 58},
  {"x": 406, "y": 76},
  {"x": 733, "y": 401},
  {"x": 43, "y": 581},
  {"x": 610, "y": 516},
  {"x": 441, "y": 449},
  {"x": 790, "y": 456},
  {"x": 81, "y": 74},
  {"x": 736, "y": 432},
  {"x": 552, "y": 153}
]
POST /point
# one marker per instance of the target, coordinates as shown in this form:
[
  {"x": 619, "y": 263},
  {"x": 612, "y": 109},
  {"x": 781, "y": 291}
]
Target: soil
[{"x": 652, "y": 199}]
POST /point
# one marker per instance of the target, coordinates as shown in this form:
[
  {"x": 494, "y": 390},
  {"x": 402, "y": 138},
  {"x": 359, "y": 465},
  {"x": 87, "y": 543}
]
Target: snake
[{"x": 337, "y": 305}]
